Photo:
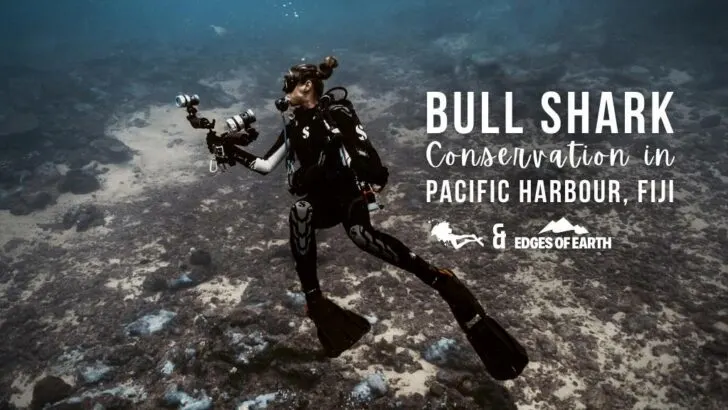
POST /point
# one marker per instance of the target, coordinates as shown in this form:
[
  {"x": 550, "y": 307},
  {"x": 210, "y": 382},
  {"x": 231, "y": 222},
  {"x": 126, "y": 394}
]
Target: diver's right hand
[
  {"x": 252, "y": 134},
  {"x": 244, "y": 137}
]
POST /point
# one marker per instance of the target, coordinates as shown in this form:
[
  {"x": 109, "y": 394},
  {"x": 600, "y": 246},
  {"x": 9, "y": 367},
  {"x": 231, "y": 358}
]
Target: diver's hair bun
[{"x": 327, "y": 67}]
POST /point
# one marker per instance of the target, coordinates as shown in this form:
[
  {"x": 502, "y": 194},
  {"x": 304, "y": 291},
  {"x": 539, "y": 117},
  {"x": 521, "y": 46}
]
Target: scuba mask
[
  {"x": 290, "y": 81},
  {"x": 298, "y": 74}
]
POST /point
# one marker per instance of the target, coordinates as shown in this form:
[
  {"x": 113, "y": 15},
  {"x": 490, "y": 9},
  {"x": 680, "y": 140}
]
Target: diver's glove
[
  {"x": 252, "y": 133},
  {"x": 245, "y": 137},
  {"x": 239, "y": 138}
]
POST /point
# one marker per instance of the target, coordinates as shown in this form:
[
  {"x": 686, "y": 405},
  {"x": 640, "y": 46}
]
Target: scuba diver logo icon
[{"x": 443, "y": 232}]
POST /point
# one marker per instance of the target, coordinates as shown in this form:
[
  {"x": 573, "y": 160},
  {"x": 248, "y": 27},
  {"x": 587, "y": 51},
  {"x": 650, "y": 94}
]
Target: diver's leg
[
  {"x": 337, "y": 329},
  {"x": 502, "y": 355},
  {"x": 303, "y": 244},
  {"x": 384, "y": 246},
  {"x": 307, "y": 215}
]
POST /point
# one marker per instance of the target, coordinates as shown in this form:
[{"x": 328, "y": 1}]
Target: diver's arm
[{"x": 265, "y": 164}]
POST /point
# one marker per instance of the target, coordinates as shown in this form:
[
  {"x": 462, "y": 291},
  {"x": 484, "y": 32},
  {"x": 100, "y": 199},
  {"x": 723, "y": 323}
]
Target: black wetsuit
[
  {"x": 329, "y": 193},
  {"x": 329, "y": 196}
]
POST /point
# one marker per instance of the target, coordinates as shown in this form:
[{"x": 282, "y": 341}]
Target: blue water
[{"x": 40, "y": 31}]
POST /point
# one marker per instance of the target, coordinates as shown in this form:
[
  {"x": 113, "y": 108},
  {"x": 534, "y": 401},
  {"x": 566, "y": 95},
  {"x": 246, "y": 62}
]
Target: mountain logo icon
[{"x": 562, "y": 226}]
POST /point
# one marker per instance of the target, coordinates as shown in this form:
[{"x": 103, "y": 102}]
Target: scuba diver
[{"x": 339, "y": 175}]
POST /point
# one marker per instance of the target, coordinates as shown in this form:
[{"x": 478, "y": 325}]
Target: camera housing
[
  {"x": 241, "y": 121},
  {"x": 185, "y": 100}
]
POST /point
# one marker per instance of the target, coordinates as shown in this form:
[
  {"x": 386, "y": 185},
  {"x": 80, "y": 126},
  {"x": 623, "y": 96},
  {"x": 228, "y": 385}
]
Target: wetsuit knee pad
[
  {"x": 359, "y": 236},
  {"x": 301, "y": 210},
  {"x": 301, "y": 225}
]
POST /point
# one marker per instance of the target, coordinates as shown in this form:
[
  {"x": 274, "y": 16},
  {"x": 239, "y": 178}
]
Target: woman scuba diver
[{"x": 321, "y": 132}]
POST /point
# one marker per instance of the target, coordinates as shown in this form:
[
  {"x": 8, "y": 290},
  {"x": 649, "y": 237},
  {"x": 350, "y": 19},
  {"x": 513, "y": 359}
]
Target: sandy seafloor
[{"x": 643, "y": 325}]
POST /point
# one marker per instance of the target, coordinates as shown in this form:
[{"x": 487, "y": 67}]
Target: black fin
[
  {"x": 503, "y": 356},
  {"x": 338, "y": 329}
]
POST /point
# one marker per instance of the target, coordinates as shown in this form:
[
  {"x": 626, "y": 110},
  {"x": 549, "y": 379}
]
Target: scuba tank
[
  {"x": 364, "y": 187},
  {"x": 324, "y": 103}
]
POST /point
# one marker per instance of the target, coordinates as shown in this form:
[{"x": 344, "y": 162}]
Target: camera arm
[
  {"x": 215, "y": 143},
  {"x": 198, "y": 122},
  {"x": 222, "y": 146}
]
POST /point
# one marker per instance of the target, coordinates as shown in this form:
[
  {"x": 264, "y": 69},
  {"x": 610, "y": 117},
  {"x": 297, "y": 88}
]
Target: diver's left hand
[
  {"x": 377, "y": 188},
  {"x": 380, "y": 177}
]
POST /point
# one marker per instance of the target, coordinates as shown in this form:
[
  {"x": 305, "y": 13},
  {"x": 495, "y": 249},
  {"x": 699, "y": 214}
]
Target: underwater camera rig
[{"x": 239, "y": 131}]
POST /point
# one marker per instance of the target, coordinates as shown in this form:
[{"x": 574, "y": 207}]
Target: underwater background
[{"x": 130, "y": 277}]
